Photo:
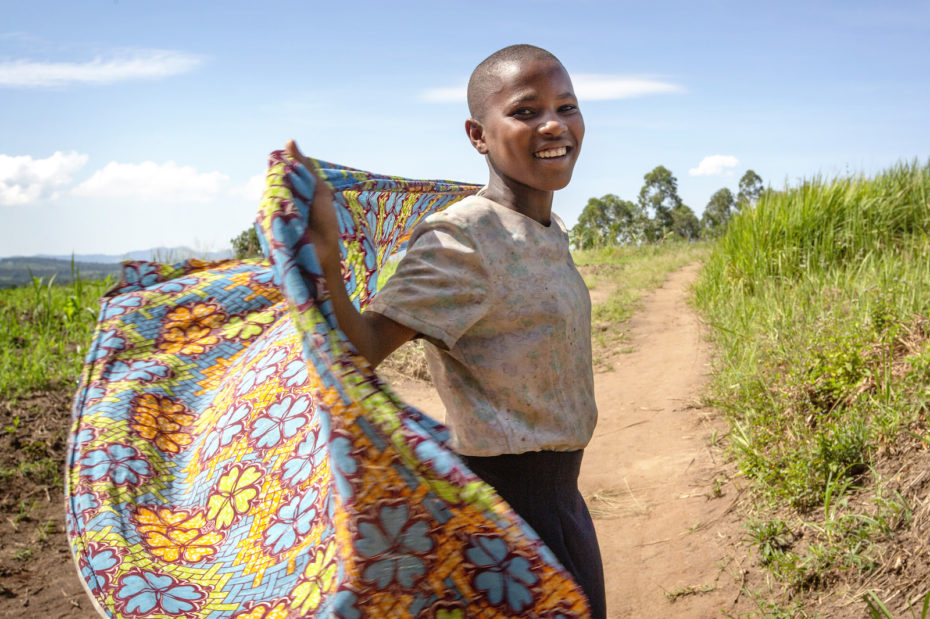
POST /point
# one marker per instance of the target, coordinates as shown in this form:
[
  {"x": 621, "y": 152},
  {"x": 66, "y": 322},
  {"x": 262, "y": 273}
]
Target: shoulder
[
  {"x": 481, "y": 222},
  {"x": 465, "y": 213},
  {"x": 466, "y": 220},
  {"x": 559, "y": 224}
]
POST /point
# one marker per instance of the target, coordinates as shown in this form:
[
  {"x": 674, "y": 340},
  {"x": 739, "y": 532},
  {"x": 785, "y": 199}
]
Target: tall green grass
[
  {"x": 824, "y": 223},
  {"x": 818, "y": 298},
  {"x": 44, "y": 332}
]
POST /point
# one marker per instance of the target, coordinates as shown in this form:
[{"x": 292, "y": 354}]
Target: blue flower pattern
[
  {"x": 140, "y": 275},
  {"x": 97, "y": 566},
  {"x": 261, "y": 372},
  {"x": 295, "y": 373},
  {"x": 341, "y": 605},
  {"x": 83, "y": 436},
  {"x": 141, "y": 369},
  {"x": 506, "y": 578},
  {"x": 228, "y": 426},
  {"x": 122, "y": 464},
  {"x": 174, "y": 285},
  {"x": 85, "y": 501},
  {"x": 282, "y": 420},
  {"x": 293, "y": 519},
  {"x": 147, "y": 592},
  {"x": 394, "y": 540},
  {"x": 310, "y": 455},
  {"x": 255, "y": 376},
  {"x": 343, "y": 464},
  {"x": 108, "y": 342},
  {"x": 120, "y": 306},
  {"x": 439, "y": 457}
]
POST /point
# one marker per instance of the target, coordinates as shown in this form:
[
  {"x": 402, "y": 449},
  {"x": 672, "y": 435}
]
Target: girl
[{"x": 490, "y": 284}]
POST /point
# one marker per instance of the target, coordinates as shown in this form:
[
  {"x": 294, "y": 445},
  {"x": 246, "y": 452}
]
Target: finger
[
  {"x": 291, "y": 149},
  {"x": 304, "y": 178},
  {"x": 293, "y": 152}
]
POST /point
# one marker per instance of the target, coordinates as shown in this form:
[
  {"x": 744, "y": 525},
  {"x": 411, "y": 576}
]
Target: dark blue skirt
[{"x": 542, "y": 486}]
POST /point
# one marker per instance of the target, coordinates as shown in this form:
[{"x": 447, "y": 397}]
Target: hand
[
  {"x": 373, "y": 335},
  {"x": 323, "y": 227}
]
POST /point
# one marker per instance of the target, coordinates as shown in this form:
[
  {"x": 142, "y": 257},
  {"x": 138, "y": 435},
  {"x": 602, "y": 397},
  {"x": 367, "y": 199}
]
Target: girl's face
[{"x": 531, "y": 127}]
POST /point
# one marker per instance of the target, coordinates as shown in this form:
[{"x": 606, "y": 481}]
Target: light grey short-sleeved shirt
[{"x": 508, "y": 318}]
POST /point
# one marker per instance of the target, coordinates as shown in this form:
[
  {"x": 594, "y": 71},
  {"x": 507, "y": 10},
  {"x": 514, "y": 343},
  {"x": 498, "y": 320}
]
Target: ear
[{"x": 475, "y": 131}]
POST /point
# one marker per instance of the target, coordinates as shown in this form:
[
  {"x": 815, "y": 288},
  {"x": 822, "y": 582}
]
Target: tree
[
  {"x": 660, "y": 196},
  {"x": 246, "y": 244},
  {"x": 718, "y": 212},
  {"x": 685, "y": 223},
  {"x": 607, "y": 221},
  {"x": 750, "y": 188}
]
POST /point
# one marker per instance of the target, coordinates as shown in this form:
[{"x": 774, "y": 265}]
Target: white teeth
[{"x": 554, "y": 152}]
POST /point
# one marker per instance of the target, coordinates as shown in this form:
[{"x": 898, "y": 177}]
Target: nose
[{"x": 552, "y": 127}]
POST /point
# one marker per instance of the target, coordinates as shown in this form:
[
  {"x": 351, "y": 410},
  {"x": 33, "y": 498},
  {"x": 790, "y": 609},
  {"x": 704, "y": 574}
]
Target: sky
[{"x": 132, "y": 124}]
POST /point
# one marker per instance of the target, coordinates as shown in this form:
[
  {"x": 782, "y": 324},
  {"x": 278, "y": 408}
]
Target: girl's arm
[{"x": 374, "y": 336}]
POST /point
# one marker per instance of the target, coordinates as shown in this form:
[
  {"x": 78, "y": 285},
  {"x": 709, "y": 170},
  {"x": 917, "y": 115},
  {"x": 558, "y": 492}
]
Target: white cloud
[
  {"x": 24, "y": 180},
  {"x": 138, "y": 64},
  {"x": 251, "y": 190},
  {"x": 149, "y": 181},
  {"x": 453, "y": 94},
  {"x": 592, "y": 87},
  {"x": 715, "y": 165},
  {"x": 588, "y": 87}
]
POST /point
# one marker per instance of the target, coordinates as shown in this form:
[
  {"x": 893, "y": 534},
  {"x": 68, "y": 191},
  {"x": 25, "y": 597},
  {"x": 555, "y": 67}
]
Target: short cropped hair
[{"x": 480, "y": 82}]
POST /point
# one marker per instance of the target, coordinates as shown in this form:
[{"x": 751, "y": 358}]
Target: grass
[
  {"x": 627, "y": 274},
  {"x": 819, "y": 300},
  {"x": 630, "y": 272},
  {"x": 44, "y": 332},
  {"x": 878, "y": 610},
  {"x": 673, "y": 596}
]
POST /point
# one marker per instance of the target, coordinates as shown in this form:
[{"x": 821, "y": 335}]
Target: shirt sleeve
[{"x": 440, "y": 287}]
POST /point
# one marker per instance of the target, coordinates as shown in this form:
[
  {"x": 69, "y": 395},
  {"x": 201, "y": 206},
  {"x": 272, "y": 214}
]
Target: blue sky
[{"x": 132, "y": 124}]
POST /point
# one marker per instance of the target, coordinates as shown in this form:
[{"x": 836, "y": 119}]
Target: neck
[{"x": 533, "y": 203}]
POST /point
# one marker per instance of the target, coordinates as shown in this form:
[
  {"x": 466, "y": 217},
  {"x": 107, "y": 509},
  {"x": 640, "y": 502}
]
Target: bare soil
[{"x": 37, "y": 575}]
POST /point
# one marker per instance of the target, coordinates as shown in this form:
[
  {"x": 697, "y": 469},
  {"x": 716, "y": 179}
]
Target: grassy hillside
[{"x": 819, "y": 298}]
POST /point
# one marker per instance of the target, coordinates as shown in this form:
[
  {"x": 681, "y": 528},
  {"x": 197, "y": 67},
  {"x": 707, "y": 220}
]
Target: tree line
[{"x": 659, "y": 213}]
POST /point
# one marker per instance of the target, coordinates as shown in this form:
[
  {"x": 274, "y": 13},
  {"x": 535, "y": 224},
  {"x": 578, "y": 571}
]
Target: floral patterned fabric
[{"x": 232, "y": 456}]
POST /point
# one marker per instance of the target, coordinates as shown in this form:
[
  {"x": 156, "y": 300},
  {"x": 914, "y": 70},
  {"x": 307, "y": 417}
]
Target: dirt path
[{"x": 665, "y": 525}]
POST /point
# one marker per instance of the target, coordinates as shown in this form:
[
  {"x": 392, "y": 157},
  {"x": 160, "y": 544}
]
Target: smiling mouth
[{"x": 551, "y": 153}]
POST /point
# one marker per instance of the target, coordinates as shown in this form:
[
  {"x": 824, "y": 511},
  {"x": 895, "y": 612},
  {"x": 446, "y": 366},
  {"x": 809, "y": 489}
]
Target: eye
[
  {"x": 568, "y": 108},
  {"x": 523, "y": 112}
]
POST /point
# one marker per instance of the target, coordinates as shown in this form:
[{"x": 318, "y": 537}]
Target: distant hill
[
  {"x": 159, "y": 254},
  {"x": 19, "y": 270}
]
